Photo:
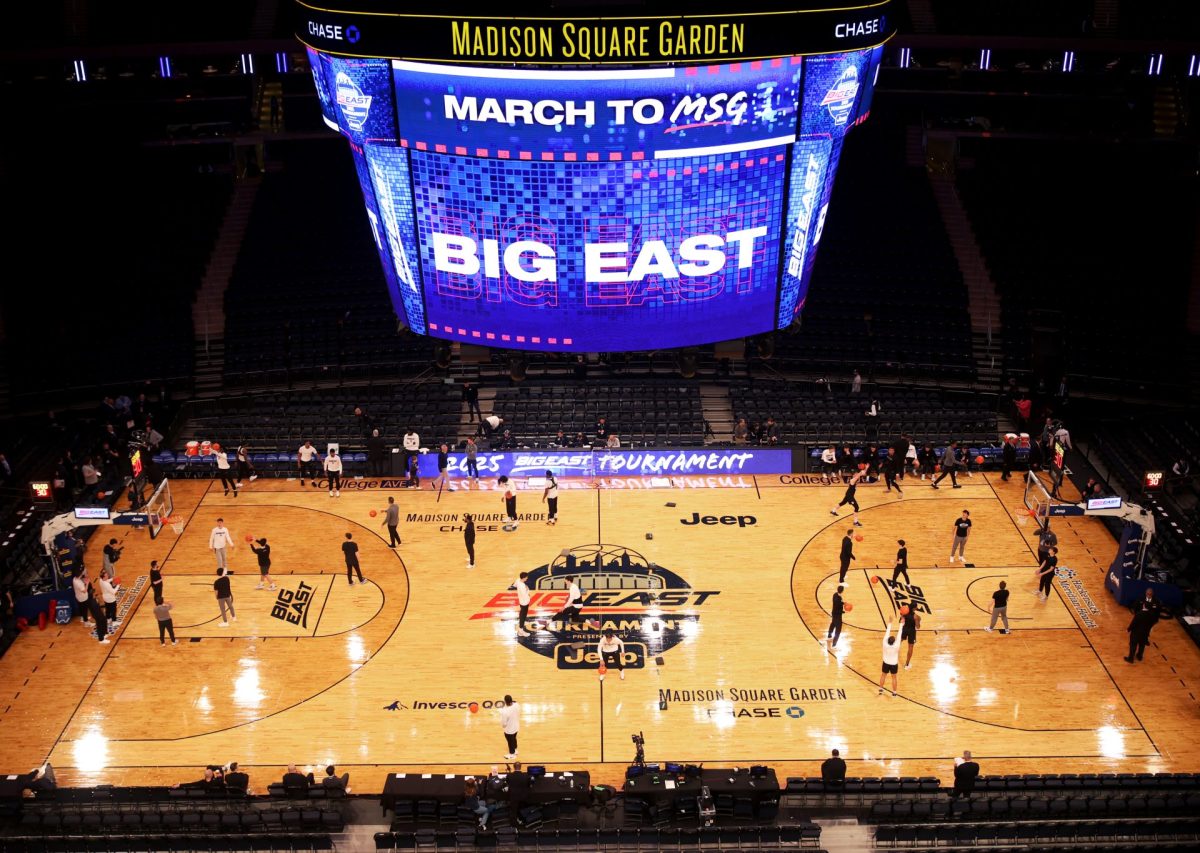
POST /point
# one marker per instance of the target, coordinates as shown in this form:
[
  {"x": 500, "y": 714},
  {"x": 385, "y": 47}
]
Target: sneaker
[
  {"x": 933, "y": 485},
  {"x": 602, "y": 678},
  {"x": 1129, "y": 660},
  {"x": 223, "y": 624},
  {"x": 253, "y": 477},
  {"x": 623, "y": 674},
  {"x": 239, "y": 485},
  {"x": 470, "y": 565},
  {"x": 880, "y": 691},
  {"x": 331, "y": 493},
  {"x": 260, "y": 586},
  {"x": 893, "y": 694},
  {"x": 833, "y": 512},
  {"x": 338, "y": 493},
  {"x": 393, "y": 547},
  {"x": 227, "y": 493},
  {"x": 956, "y": 486},
  {"x": 858, "y": 524},
  {"x": 989, "y": 630},
  {"x": 174, "y": 642},
  {"x": 233, "y": 619},
  {"x": 1004, "y": 631},
  {"x": 906, "y": 666},
  {"x": 508, "y": 756},
  {"x": 302, "y": 482},
  {"x": 105, "y": 641},
  {"x": 523, "y": 633},
  {"x": 272, "y": 586}
]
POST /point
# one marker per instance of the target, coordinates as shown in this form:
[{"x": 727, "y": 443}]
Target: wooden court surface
[{"x": 357, "y": 675}]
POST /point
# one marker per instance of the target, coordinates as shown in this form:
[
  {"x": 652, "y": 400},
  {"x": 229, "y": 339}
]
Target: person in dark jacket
[
  {"x": 236, "y": 779},
  {"x": 469, "y": 538},
  {"x": 949, "y": 466},
  {"x": 1146, "y": 614},
  {"x": 1008, "y": 458},
  {"x": 965, "y": 773},
  {"x": 846, "y": 555},
  {"x": 833, "y": 771},
  {"x": 376, "y": 454},
  {"x": 350, "y": 552},
  {"x": 835, "y": 622},
  {"x": 296, "y": 780}
]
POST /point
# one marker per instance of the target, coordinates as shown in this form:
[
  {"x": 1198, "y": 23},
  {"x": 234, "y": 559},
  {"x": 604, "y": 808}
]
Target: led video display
[{"x": 597, "y": 209}]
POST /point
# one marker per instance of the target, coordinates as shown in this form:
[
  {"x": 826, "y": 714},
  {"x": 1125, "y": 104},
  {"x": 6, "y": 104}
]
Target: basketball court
[{"x": 720, "y": 587}]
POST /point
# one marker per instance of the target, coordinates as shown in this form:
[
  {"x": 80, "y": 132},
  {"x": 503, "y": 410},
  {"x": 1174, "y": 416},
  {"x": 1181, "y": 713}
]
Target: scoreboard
[{"x": 600, "y": 183}]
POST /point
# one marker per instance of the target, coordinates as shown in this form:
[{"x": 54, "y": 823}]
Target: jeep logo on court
[
  {"x": 650, "y": 608},
  {"x": 739, "y": 520}
]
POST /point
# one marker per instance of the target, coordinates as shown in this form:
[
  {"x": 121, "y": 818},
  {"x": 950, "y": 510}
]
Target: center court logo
[
  {"x": 840, "y": 99},
  {"x": 650, "y": 608},
  {"x": 354, "y": 104}
]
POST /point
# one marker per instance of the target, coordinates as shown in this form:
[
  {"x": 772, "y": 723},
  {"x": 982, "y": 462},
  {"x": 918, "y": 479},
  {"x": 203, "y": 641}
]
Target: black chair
[{"x": 385, "y": 841}]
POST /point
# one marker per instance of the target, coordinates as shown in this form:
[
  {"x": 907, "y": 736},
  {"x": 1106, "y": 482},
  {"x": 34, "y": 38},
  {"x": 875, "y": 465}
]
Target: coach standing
[
  {"x": 510, "y": 722},
  {"x": 350, "y": 552},
  {"x": 391, "y": 517},
  {"x": 1145, "y": 616},
  {"x": 846, "y": 555}
]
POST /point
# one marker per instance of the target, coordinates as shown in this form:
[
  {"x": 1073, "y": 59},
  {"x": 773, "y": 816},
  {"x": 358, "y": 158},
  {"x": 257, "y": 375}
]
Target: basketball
[
  {"x": 249, "y": 538},
  {"x": 874, "y": 578},
  {"x": 937, "y": 469},
  {"x": 858, "y": 537},
  {"x": 473, "y": 707},
  {"x": 849, "y": 607},
  {"x": 862, "y": 466},
  {"x": 373, "y": 513},
  {"x": 603, "y": 669},
  {"x": 978, "y": 460},
  {"x": 903, "y": 609}
]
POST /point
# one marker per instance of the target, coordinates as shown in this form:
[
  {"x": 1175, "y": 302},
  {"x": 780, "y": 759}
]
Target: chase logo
[
  {"x": 352, "y": 34},
  {"x": 650, "y": 608},
  {"x": 839, "y": 100},
  {"x": 353, "y": 103}
]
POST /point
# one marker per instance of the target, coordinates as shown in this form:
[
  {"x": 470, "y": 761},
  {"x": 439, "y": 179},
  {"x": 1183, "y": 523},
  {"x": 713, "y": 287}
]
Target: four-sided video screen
[{"x": 597, "y": 209}]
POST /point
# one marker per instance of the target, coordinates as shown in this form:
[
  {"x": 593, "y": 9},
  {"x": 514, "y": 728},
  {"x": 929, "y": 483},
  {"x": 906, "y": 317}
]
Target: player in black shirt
[
  {"x": 1045, "y": 573},
  {"x": 1145, "y": 616},
  {"x": 848, "y": 498},
  {"x": 909, "y": 623},
  {"x": 901, "y": 562},
  {"x": 469, "y": 539},
  {"x": 350, "y": 552},
  {"x": 999, "y": 608},
  {"x": 835, "y": 623}
]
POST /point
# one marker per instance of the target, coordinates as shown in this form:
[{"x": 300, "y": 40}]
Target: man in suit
[
  {"x": 332, "y": 780},
  {"x": 965, "y": 772},
  {"x": 1008, "y": 457},
  {"x": 833, "y": 771},
  {"x": 846, "y": 555},
  {"x": 295, "y": 779},
  {"x": 236, "y": 779},
  {"x": 1145, "y": 616},
  {"x": 518, "y": 787}
]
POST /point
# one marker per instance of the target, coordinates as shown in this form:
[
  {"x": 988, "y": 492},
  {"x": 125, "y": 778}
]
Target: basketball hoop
[{"x": 177, "y": 524}]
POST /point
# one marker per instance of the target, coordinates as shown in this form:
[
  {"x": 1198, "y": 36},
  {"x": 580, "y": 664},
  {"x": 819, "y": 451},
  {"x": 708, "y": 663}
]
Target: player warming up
[
  {"x": 909, "y": 623},
  {"x": 891, "y": 659},
  {"x": 550, "y": 498},
  {"x": 510, "y": 504},
  {"x": 849, "y": 500}
]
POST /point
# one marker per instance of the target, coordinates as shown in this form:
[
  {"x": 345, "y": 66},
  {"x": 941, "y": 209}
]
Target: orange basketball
[
  {"x": 903, "y": 609},
  {"x": 249, "y": 538},
  {"x": 473, "y": 707},
  {"x": 874, "y": 578},
  {"x": 858, "y": 537},
  {"x": 978, "y": 460},
  {"x": 603, "y": 669},
  {"x": 373, "y": 513},
  {"x": 862, "y": 466},
  {"x": 937, "y": 469},
  {"x": 849, "y": 606}
]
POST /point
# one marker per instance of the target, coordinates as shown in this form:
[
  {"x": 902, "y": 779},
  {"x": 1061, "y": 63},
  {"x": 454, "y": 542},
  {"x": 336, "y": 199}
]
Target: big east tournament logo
[
  {"x": 650, "y": 608},
  {"x": 840, "y": 99},
  {"x": 354, "y": 104}
]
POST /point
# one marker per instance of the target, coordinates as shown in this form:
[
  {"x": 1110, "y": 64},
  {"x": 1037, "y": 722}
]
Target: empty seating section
[
  {"x": 137, "y": 326},
  {"x": 1131, "y": 447},
  {"x": 275, "y": 425},
  {"x": 611, "y": 839},
  {"x": 106, "y": 818},
  {"x": 809, "y": 414},
  {"x": 307, "y": 299},
  {"x": 886, "y": 289},
  {"x": 639, "y": 414},
  {"x": 1100, "y": 298}
]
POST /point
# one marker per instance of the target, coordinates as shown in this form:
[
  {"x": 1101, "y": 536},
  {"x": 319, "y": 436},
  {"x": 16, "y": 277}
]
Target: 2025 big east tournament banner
[{"x": 596, "y": 208}]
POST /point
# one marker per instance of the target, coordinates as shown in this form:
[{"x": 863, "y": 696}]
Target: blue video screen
[{"x": 597, "y": 209}]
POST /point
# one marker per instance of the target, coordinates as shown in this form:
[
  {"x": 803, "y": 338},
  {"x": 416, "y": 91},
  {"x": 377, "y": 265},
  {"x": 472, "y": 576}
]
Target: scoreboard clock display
[
  {"x": 1152, "y": 481},
  {"x": 41, "y": 491}
]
